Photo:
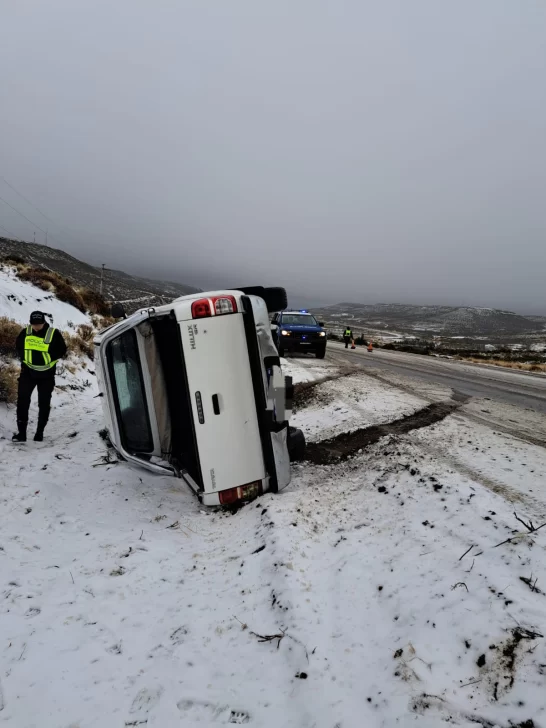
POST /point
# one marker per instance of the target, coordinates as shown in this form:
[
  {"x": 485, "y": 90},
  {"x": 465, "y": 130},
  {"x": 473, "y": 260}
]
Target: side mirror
[
  {"x": 321, "y": 324},
  {"x": 118, "y": 311}
]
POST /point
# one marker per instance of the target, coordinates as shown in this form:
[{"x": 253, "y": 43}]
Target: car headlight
[
  {"x": 285, "y": 333},
  {"x": 321, "y": 333}
]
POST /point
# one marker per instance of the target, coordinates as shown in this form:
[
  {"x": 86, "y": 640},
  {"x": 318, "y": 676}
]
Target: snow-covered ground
[
  {"x": 305, "y": 369},
  {"x": 369, "y": 593},
  {"x": 350, "y": 403},
  {"x": 18, "y": 299}
]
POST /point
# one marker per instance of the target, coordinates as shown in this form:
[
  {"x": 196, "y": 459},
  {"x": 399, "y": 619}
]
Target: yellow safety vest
[
  {"x": 347, "y": 332},
  {"x": 41, "y": 344}
]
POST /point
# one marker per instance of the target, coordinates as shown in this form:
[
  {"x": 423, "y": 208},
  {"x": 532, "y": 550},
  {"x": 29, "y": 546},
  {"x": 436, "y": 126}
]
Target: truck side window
[{"x": 130, "y": 396}]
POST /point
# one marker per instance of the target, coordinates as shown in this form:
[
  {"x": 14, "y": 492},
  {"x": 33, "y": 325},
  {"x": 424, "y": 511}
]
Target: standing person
[
  {"x": 347, "y": 336},
  {"x": 39, "y": 347}
]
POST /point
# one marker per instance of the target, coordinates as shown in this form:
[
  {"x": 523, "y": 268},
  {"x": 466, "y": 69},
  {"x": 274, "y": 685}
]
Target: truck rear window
[{"x": 130, "y": 396}]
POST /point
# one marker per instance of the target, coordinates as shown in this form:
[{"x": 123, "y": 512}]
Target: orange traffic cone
[{"x": 370, "y": 347}]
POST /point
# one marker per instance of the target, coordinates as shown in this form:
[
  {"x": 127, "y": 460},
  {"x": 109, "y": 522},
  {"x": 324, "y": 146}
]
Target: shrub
[
  {"x": 13, "y": 259},
  {"x": 47, "y": 280},
  {"x": 79, "y": 346},
  {"x": 67, "y": 294},
  {"x": 85, "y": 332},
  {"x": 9, "y": 375},
  {"x": 102, "y": 322},
  {"x": 94, "y": 302},
  {"x": 9, "y": 330}
]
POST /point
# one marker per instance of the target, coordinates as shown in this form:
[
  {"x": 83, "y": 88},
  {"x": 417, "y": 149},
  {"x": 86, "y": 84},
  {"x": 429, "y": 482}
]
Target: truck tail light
[
  {"x": 215, "y": 306},
  {"x": 242, "y": 493},
  {"x": 201, "y": 308},
  {"x": 224, "y": 304}
]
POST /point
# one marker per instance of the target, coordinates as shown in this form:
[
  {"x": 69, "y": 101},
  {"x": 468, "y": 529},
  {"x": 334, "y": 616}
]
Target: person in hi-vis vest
[
  {"x": 347, "y": 336},
  {"x": 39, "y": 347}
]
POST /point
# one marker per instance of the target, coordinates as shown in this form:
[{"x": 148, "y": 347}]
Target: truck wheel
[
  {"x": 296, "y": 444},
  {"x": 275, "y": 299},
  {"x": 280, "y": 350},
  {"x": 321, "y": 353}
]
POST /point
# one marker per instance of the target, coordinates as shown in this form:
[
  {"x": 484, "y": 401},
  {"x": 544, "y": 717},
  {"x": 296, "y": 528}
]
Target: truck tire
[
  {"x": 275, "y": 299},
  {"x": 320, "y": 353},
  {"x": 296, "y": 444}
]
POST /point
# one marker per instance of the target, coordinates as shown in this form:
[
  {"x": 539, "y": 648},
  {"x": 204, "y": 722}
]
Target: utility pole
[
  {"x": 35, "y": 236},
  {"x": 102, "y": 277},
  {"x": 47, "y": 229}
]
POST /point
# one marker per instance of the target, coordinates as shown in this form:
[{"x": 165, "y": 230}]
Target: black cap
[{"x": 37, "y": 317}]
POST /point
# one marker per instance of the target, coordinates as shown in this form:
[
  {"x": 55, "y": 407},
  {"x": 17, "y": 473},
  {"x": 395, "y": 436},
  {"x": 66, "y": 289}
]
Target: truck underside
[{"x": 170, "y": 389}]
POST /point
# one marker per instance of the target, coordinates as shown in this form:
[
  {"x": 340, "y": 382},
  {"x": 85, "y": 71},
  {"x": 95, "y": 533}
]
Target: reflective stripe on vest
[
  {"x": 347, "y": 332},
  {"x": 37, "y": 343}
]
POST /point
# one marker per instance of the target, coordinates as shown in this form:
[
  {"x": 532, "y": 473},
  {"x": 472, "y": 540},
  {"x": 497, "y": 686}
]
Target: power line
[
  {"x": 29, "y": 202},
  {"x": 26, "y": 218},
  {"x": 65, "y": 231},
  {"x": 10, "y": 234}
]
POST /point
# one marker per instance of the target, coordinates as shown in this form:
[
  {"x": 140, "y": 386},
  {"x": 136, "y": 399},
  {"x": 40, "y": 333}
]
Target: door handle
[{"x": 215, "y": 404}]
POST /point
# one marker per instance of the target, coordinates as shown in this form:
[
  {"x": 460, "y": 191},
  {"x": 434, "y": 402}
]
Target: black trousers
[
  {"x": 347, "y": 340},
  {"x": 27, "y": 383}
]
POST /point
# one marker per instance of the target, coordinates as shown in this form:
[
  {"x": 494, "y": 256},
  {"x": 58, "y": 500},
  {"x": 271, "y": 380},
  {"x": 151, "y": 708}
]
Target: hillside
[
  {"x": 430, "y": 320},
  {"x": 135, "y": 292}
]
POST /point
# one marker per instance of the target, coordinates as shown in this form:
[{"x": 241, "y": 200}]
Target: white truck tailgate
[{"x": 222, "y": 399}]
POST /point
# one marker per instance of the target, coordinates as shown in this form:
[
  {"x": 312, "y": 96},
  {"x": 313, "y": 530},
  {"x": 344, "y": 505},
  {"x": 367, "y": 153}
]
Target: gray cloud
[{"x": 371, "y": 151}]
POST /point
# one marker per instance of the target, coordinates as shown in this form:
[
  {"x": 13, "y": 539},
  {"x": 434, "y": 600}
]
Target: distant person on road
[
  {"x": 348, "y": 336},
  {"x": 39, "y": 347}
]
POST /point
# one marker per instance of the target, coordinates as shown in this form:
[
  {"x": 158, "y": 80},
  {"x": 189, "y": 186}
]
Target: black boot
[
  {"x": 39, "y": 436},
  {"x": 21, "y": 435}
]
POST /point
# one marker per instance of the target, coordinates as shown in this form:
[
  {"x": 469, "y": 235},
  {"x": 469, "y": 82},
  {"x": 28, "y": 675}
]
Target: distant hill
[
  {"x": 133, "y": 291},
  {"x": 431, "y": 320}
]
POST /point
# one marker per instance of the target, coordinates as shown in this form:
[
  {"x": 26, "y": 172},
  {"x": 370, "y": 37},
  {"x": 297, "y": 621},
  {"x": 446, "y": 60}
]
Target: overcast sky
[{"x": 379, "y": 151}]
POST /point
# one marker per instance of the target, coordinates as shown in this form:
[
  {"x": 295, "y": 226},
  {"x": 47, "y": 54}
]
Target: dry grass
[
  {"x": 85, "y": 332},
  {"x": 94, "y": 302},
  {"x": 47, "y": 280},
  {"x": 79, "y": 346},
  {"x": 9, "y": 330},
  {"x": 84, "y": 299},
  {"x": 12, "y": 259},
  {"x": 102, "y": 322},
  {"x": 521, "y": 365},
  {"x": 9, "y": 376}
]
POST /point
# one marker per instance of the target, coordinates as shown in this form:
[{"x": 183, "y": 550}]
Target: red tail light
[
  {"x": 242, "y": 493},
  {"x": 215, "y": 306},
  {"x": 201, "y": 308}
]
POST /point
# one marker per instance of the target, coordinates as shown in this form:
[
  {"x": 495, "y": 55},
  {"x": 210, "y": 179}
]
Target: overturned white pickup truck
[{"x": 195, "y": 389}]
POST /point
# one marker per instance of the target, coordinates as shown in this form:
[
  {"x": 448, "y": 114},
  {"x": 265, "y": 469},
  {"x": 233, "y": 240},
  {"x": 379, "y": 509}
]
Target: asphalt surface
[{"x": 525, "y": 390}]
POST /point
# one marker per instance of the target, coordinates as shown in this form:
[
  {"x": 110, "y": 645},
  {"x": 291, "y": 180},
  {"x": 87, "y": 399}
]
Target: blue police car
[{"x": 298, "y": 331}]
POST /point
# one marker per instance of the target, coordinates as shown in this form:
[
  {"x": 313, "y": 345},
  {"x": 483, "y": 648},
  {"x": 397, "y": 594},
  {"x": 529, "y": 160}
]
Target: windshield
[
  {"x": 134, "y": 423},
  {"x": 298, "y": 319}
]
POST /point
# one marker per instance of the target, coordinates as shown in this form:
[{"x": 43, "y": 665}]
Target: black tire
[
  {"x": 320, "y": 353},
  {"x": 296, "y": 444},
  {"x": 280, "y": 350},
  {"x": 275, "y": 299}
]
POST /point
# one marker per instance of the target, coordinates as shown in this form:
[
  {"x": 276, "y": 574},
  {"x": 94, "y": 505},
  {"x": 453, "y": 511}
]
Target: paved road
[{"x": 503, "y": 385}]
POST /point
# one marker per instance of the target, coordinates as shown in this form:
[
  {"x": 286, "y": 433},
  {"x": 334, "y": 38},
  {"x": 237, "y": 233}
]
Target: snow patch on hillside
[{"x": 18, "y": 299}]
